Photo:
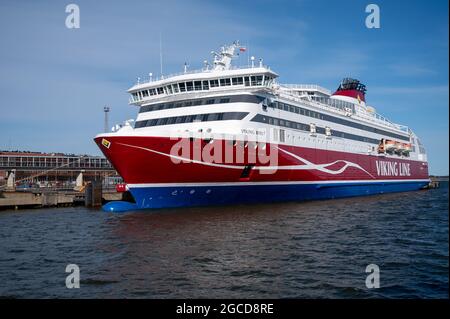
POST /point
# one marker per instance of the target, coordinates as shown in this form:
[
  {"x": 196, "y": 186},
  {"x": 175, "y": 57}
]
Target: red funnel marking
[{"x": 351, "y": 93}]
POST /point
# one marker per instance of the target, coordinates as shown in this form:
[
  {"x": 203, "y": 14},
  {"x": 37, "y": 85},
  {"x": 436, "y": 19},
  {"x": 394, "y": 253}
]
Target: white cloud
[
  {"x": 410, "y": 70},
  {"x": 422, "y": 90}
]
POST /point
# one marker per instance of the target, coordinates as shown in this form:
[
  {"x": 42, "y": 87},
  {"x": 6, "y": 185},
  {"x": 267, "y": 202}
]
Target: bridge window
[
  {"x": 225, "y": 82},
  {"x": 237, "y": 81},
  {"x": 256, "y": 80},
  {"x": 247, "y": 81},
  {"x": 189, "y": 86},
  {"x": 214, "y": 83},
  {"x": 182, "y": 87},
  {"x": 205, "y": 85},
  {"x": 160, "y": 90},
  {"x": 259, "y": 80},
  {"x": 198, "y": 85}
]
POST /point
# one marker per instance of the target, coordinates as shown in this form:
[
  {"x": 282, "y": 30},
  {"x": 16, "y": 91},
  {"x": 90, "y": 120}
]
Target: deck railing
[
  {"x": 148, "y": 79},
  {"x": 374, "y": 118},
  {"x": 306, "y": 87}
]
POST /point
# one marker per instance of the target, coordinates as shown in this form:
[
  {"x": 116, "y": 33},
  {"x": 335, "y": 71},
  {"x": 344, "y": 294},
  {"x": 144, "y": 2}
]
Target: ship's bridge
[
  {"x": 204, "y": 81},
  {"x": 221, "y": 77}
]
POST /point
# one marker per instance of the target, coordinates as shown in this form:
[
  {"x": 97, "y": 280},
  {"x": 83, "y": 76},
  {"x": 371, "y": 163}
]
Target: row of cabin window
[
  {"x": 224, "y": 116},
  {"x": 307, "y": 128},
  {"x": 164, "y": 106},
  {"x": 342, "y": 105},
  {"x": 329, "y": 118},
  {"x": 202, "y": 85}
]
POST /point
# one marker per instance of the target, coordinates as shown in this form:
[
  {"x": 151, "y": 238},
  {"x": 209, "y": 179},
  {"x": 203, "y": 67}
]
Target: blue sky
[{"x": 55, "y": 81}]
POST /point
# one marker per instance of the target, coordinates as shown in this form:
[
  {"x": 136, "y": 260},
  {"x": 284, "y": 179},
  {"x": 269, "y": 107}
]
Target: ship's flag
[{"x": 242, "y": 49}]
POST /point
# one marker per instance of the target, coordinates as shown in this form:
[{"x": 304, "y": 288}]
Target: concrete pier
[
  {"x": 17, "y": 200},
  {"x": 435, "y": 181}
]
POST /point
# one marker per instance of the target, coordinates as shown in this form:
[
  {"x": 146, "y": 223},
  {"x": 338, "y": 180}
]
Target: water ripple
[{"x": 291, "y": 250}]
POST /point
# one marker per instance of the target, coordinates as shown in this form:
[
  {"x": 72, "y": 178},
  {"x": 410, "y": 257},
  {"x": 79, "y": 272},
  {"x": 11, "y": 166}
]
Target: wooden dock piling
[{"x": 93, "y": 194}]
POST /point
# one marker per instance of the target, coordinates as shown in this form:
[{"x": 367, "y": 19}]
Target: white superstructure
[{"x": 302, "y": 114}]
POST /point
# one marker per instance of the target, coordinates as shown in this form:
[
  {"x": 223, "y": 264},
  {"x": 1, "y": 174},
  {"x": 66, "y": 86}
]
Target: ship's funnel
[{"x": 352, "y": 89}]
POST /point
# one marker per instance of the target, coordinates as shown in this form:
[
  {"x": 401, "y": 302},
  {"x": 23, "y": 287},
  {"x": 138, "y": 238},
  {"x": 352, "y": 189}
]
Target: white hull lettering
[{"x": 387, "y": 168}]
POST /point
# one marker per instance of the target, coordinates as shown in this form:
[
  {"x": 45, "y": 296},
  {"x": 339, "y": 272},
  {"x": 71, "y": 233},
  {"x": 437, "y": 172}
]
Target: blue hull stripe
[{"x": 181, "y": 196}]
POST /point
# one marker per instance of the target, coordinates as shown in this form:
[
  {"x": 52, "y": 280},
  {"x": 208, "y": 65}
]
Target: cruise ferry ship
[{"x": 226, "y": 134}]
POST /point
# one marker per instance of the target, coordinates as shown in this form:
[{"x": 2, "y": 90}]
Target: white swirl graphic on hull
[
  {"x": 323, "y": 167},
  {"x": 307, "y": 166}
]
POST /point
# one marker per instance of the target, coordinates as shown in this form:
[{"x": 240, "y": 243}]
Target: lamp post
[{"x": 106, "y": 109}]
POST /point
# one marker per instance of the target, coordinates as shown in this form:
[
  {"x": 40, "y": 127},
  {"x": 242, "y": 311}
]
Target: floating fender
[{"x": 119, "y": 206}]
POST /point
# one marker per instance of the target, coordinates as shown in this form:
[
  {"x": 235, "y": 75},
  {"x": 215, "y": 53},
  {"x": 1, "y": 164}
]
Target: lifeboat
[
  {"x": 390, "y": 146},
  {"x": 398, "y": 148},
  {"x": 406, "y": 148}
]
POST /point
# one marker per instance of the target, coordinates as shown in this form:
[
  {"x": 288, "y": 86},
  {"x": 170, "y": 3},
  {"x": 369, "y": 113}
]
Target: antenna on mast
[
  {"x": 222, "y": 60},
  {"x": 160, "y": 53},
  {"x": 248, "y": 53}
]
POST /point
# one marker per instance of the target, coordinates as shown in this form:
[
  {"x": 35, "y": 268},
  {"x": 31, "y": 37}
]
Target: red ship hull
[{"x": 154, "y": 173}]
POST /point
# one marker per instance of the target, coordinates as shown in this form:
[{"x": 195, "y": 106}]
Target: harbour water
[{"x": 289, "y": 250}]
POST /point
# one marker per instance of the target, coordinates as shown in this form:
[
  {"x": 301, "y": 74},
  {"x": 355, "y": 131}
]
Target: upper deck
[
  {"x": 224, "y": 78},
  {"x": 202, "y": 80},
  {"x": 220, "y": 76}
]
